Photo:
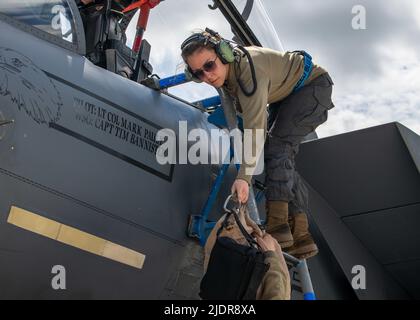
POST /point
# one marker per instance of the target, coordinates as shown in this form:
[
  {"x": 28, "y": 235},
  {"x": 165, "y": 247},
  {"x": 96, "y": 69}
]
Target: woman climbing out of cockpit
[{"x": 299, "y": 96}]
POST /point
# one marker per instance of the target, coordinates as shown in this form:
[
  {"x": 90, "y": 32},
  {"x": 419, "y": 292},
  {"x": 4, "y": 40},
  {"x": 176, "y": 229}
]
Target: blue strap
[
  {"x": 306, "y": 71},
  {"x": 172, "y": 81}
]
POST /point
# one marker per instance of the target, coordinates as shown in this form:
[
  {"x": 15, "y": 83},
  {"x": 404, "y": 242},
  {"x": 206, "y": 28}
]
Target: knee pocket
[
  {"x": 316, "y": 114},
  {"x": 323, "y": 96},
  {"x": 280, "y": 169}
]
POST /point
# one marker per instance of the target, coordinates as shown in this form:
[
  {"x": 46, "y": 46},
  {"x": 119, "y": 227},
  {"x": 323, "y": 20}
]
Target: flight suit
[{"x": 292, "y": 114}]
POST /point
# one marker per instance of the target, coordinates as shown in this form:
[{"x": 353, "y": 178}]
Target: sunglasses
[{"x": 209, "y": 66}]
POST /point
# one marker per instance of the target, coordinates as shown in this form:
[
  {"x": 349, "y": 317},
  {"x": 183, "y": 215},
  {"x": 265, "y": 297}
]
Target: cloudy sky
[{"x": 376, "y": 70}]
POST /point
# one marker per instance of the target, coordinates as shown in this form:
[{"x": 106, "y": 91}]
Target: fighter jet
[{"x": 88, "y": 212}]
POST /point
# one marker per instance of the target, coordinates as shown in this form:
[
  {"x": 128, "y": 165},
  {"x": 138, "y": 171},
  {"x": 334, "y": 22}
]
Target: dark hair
[{"x": 194, "y": 46}]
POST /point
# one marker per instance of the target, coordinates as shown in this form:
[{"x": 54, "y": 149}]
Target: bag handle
[
  {"x": 247, "y": 236},
  {"x": 235, "y": 212}
]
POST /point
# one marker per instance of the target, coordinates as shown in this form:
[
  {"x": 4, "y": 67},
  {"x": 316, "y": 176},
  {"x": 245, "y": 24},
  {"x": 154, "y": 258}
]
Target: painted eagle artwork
[{"x": 28, "y": 87}]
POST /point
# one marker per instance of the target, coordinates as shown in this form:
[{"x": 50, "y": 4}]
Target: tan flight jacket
[{"x": 277, "y": 74}]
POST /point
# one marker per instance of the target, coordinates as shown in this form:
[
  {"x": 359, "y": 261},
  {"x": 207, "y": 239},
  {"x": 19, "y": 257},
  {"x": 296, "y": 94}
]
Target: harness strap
[{"x": 306, "y": 71}]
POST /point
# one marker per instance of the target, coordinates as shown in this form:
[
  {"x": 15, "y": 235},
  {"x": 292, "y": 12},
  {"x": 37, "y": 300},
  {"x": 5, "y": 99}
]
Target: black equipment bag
[{"x": 234, "y": 271}]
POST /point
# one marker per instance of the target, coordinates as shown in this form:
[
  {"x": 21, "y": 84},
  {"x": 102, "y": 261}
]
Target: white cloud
[
  {"x": 372, "y": 108},
  {"x": 393, "y": 96},
  {"x": 376, "y": 71}
]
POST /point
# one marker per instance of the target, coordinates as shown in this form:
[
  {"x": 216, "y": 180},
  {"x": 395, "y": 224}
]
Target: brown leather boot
[
  {"x": 277, "y": 222},
  {"x": 304, "y": 246}
]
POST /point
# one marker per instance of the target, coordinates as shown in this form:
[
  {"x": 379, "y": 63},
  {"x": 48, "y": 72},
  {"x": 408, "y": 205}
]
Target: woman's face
[{"x": 206, "y": 65}]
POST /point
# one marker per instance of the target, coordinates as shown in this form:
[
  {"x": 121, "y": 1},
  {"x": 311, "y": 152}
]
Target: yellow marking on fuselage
[{"x": 74, "y": 237}]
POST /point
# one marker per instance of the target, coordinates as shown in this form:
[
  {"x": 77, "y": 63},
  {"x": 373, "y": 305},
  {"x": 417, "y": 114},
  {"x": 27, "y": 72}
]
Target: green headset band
[
  {"x": 202, "y": 38},
  {"x": 223, "y": 48}
]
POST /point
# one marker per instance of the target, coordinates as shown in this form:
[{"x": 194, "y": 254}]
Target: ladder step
[
  {"x": 209, "y": 102},
  {"x": 173, "y": 81}
]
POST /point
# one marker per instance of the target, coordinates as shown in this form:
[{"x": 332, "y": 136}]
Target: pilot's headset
[{"x": 223, "y": 48}]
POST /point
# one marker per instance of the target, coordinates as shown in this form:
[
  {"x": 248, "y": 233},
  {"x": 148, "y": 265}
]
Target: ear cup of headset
[{"x": 225, "y": 52}]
